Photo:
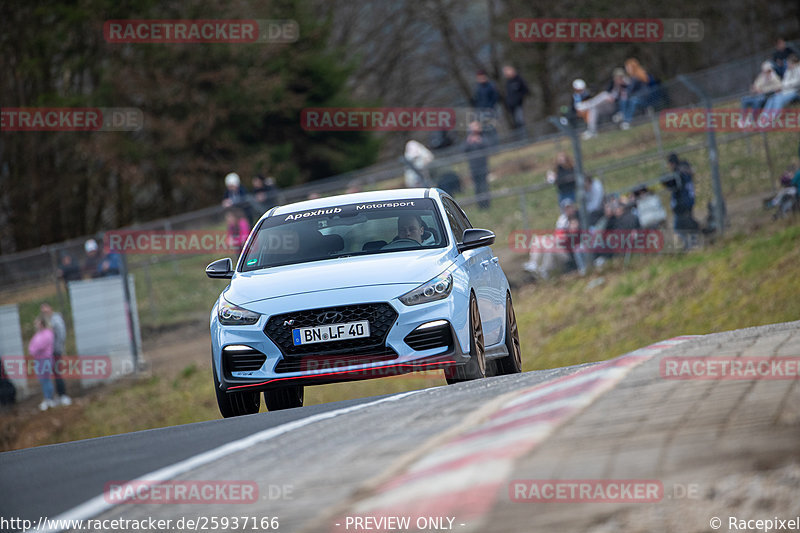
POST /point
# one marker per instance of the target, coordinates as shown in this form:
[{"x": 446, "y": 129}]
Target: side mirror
[
  {"x": 476, "y": 238},
  {"x": 220, "y": 269}
]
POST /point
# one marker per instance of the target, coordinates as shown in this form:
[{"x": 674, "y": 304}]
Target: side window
[
  {"x": 460, "y": 212},
  {"x": 457, "y": 220}
]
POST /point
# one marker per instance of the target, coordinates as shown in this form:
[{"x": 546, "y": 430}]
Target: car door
[
  {"x": 477, "y": 263},
  {"x": 493, "y": 313}
]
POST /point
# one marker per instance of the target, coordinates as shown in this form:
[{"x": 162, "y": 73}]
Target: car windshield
[{"x": 345, "y": 230}]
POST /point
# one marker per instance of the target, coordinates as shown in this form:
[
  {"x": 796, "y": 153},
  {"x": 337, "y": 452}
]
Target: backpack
[{"x": 651, "y": 212}]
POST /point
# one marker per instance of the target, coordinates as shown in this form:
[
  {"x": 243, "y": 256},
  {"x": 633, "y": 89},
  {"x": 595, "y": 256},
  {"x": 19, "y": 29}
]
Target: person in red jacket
[{"x": 41, "y": 349}]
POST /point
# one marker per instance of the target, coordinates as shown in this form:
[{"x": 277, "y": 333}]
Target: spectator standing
[
  {"x": 110, "y": 265},
  {"x": 238, "y": 229},
  {"x": 273, "y": 192},
  {"x": 92, "y": 261},
  {"x": 516, "y": 91},
  {"x": 681, "y": 185},
  {"x": 478, "y": 163},
  {"x": 236, "y": 195},
  {"x": 563, "y": 176},
  {"x": 41, "y": 349},
  {"x": 260, "y": 193},
  {"x": 484, "y": 100},
  {"x": 98, "y": 264},
  {"x": 595, "y": 193},
  {"x": 416, "y": 158},
  {"x": 68, "y": 269},
  {"x": 55, "y": 321},
  {"x": 485, "y": 96},
  {"x": 790, "y": 84},
  {"x": 766, "y": 83}
]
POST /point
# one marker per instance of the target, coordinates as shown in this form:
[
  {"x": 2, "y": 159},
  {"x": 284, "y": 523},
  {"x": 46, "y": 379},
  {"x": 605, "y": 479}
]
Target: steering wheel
[{"x": 400, "y": 243}]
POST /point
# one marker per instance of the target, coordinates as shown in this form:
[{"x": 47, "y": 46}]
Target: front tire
[
  {"x": 235, "y": 403},
  {"x": 476, "y": 366},
  {"x": 284, "y": 398},
  {"x": 512, "y": 363}
]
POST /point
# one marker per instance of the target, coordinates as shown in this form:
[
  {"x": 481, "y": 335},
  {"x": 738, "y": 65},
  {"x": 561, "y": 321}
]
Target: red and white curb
[{"x": 463, "y": 477}]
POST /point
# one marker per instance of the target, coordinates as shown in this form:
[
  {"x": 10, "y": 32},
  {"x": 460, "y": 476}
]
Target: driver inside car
[{"x": 412, "y": 227}]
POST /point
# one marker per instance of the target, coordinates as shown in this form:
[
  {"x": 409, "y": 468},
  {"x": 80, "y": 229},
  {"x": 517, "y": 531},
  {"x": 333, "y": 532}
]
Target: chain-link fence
[{"x": 171, "y": 286}]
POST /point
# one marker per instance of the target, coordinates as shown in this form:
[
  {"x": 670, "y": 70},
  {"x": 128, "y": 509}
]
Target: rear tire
[
  {"x": 235, "y": 403},
  {"x": 284, "y": 398},
  {"x": 512, "y": 363},
  {"x": 476, "y": 366}
]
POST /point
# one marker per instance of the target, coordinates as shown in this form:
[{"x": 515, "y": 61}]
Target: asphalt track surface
[
  {"x": 453, "y": 452},
  {"x": 48, "y": 481}
]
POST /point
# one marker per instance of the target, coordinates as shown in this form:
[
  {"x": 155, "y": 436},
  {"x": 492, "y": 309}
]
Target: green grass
[
  {"x": 745, "y": 281},
  {"x": 741, "y": 283},
  {"x": 175, "y": 291}
]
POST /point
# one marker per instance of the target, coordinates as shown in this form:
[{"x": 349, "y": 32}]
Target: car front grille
[
  {"x": 381, "y": 317},
  {"x": 432, "y": 337},
  {"x": 307, "y": 363}
]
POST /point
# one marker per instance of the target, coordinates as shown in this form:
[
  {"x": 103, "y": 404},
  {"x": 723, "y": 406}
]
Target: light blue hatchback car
[{"x": 359, "y": 286}]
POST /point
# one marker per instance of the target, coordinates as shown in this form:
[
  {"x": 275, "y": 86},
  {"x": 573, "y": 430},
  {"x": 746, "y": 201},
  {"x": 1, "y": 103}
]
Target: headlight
[
  {"x": 436, "y": 289},
  {"x": 233, "y": 315}
]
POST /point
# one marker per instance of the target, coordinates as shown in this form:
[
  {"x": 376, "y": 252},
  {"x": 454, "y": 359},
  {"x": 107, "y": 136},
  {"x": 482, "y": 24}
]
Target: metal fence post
[
  {"x": 173, "y": 260},
  {"x": 657, "y": 133},
  {"x": 769, "y": 162},
  {"x": 523, "y": 206}
]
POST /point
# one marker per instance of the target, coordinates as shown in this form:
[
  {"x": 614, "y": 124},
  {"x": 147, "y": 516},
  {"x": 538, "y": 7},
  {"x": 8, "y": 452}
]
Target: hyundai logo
[
  {"x": 329, "y": 317},
  {"x": 288, "y": 322}
]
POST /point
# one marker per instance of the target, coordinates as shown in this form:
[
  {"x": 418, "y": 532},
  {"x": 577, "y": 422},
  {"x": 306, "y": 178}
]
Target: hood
[{"x": 397, "y": 268}]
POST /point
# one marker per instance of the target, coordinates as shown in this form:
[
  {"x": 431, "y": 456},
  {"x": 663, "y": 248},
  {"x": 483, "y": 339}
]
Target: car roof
[{"x": 354, "y": 198}]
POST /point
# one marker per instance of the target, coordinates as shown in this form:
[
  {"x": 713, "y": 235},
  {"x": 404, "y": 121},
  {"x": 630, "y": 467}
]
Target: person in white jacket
[
  {"x": 790, "y": 84},
  {"x": 417, "y": 159}
]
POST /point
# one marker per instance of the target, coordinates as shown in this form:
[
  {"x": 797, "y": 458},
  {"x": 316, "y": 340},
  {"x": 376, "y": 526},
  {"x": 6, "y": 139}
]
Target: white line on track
[{"x": 98, "y": 504}]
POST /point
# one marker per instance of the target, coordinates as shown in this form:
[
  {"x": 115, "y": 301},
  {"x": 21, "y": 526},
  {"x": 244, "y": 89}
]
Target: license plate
[{"x": 331, "y": 332}]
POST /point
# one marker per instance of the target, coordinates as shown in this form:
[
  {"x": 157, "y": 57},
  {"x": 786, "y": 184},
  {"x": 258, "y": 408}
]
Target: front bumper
[{"x": 397, "y": 356}]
